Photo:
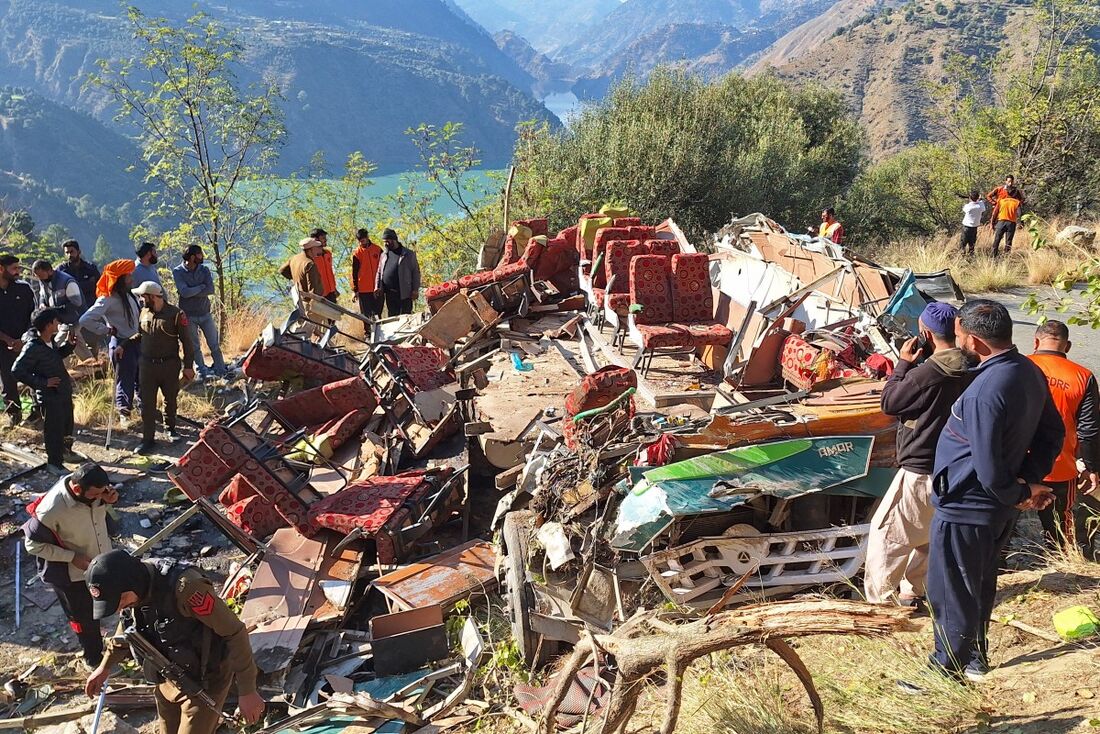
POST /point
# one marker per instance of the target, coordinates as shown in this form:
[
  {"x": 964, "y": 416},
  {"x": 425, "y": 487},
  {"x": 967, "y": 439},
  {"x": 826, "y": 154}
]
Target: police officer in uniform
[
  {"x": 163, "y": 332},
  {"x": 178, "y": 611}
]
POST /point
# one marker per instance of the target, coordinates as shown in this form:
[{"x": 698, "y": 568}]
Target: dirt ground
[{"x": 43, "y": 635}]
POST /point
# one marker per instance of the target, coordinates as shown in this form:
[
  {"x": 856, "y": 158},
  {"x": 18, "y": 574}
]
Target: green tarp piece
[{"x": 724, "y": 480}]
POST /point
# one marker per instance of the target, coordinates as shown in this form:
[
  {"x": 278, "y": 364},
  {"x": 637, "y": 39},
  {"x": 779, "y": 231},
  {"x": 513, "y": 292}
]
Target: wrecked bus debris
[{"x": 596, "y": 423}]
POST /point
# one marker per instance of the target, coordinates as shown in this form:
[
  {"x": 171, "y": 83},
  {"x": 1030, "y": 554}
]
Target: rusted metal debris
[{"x": 360, "y": 478}]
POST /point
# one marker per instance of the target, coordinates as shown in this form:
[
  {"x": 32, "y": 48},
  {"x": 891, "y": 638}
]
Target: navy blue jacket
[{"x": 1002, "y": 429}]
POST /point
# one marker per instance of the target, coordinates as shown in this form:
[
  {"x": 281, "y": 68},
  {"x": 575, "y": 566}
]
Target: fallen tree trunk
[{"x": 647, "y": 642}]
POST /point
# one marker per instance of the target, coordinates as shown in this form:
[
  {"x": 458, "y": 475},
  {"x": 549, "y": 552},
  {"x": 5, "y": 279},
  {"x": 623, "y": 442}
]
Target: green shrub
[{"x": 676, "y": 146}]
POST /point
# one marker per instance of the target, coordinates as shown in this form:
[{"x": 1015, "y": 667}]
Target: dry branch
[{"x": 649, "y": 644}]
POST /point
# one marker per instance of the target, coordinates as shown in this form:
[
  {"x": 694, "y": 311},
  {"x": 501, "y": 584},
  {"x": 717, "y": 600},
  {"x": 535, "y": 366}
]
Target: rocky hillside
[
  {"x": 355, "y": 74},
  {"x": 546, "y": 25},
  {"x": 549, "y": 76},
  {"x": 634, "y": 20},
  {"x": 883, "y": 56},
  {"x": 706, "y": 50}
]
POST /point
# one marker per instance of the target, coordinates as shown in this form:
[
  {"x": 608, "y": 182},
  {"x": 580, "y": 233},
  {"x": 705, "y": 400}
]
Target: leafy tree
[
  {"x": 1043, "y": 123},
  {"x": 918, "y": 191},
  {"x": 446, "y": 245},
  {"x": 102, "y": 252},
  {"x": 53, "y": 235},
  {"x": 201, "y": 135},
  {"x": 677, "y": 146},
  {"x": 337, "y": 205},
  {"x": 16, "y": 222}
]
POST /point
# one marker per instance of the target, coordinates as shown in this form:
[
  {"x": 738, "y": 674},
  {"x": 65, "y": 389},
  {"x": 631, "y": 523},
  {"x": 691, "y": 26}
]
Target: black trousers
[
  {"x": 969, "y": 239},
  {"x": 77, "y": 605},
  {"x": 1074, "y": 511},
  {"x": 369, "y": 306},
  {"x": 1006, "y": 230},
  {"x": 1086, "y": 525},
  {"x": 8, "y": 384},
  {"x": 57, "y": 424},
  {"x": 396, "y": 305},
  {"x": 962, "y": 586},
  {"x": 154, "y": 376},
  {"x": 1055, "y": 517}
]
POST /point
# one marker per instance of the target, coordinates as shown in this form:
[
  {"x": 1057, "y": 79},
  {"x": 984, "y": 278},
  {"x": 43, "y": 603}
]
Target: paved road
[{"x": 1086, "y": 342}]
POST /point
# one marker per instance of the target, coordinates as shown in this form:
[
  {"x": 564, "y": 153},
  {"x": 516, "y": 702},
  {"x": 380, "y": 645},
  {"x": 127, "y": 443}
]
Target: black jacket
[
  {"x": 920, "y": 397},
  {"x": 38, "y": 362}
]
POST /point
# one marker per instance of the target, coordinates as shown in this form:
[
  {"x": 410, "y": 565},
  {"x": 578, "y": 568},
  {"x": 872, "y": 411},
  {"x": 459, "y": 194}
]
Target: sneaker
[
  {"x": 161, "y": 467},
  {"x": 146, "y": 448},
  {"x": 72, "y": 457},
  {"x": 57, "y": 470},
  {"x": 173, "y": 435},
  {"x": 976, "y": 671}
]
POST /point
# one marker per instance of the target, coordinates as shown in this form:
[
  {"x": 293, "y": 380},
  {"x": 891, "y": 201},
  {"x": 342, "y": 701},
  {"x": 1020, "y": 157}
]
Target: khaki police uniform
[
  {"x": 186, "y": 620},
  {"x": 163, "y": 333}
]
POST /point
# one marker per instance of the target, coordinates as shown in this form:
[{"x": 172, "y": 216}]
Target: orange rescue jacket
[
  {"x": 364, "y": 268},
  {"x": 324, "y": 268},
  {"x": 1068, "y": 382},
  {"x": 1007, "y": 209}
]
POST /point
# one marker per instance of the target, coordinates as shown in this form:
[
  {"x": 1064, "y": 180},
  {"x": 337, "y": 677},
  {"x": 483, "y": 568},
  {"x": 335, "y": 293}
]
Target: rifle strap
[{"x": 204, "y": 653}]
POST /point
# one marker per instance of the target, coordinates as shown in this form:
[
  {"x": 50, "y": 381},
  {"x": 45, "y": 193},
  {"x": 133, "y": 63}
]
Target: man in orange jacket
[
  {"x": 324, "y": 265},
  {"x": 1006, "y": 214},
  {"x": 1075, "y": 394},
  {"x": 995, "y": 195},
  {"x": 364, "y": 273}
]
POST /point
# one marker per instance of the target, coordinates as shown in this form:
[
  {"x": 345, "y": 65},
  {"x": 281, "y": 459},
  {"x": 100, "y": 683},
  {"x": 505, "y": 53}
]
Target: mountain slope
[
  {"x": 550, "y": 76},
  {"x": 705, "y": 50},
  {"x": 546, "y": 25},
  {"x": 634, "y": 20},
  {"x": 66, "y": 167},
  {"x": 885, "y": 60},
  {"x": 356, "y": 73},
  {"x": 806, "y": 37}
]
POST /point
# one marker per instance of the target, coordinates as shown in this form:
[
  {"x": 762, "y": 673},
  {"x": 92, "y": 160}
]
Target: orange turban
[{"x": 112, "y": 271}]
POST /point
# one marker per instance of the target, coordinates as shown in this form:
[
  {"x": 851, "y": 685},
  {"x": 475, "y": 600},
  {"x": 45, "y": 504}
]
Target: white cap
[{"x": 148, "y": 288}]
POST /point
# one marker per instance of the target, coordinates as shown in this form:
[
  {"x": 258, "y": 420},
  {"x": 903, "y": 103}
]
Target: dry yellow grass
[
  {"x": 242, "y": 328},
  {"x": 1044, "y": 266},
  {"x": 93, "y": 402},
  {"x": 754, "y": 693},
  {"x": 979, "y": 274},
  {"x": 982, "y": 273}
]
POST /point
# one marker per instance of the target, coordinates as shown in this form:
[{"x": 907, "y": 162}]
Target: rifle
[{"x": 170, "y": 671}]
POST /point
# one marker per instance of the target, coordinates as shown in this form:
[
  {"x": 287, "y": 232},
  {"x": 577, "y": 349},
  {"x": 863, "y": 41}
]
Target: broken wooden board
[
  {"x": 275, "y": 643},
  {"x": 515, "y": 401},
  {"x": 454, "y": 320},
  {"x": 334, "y": 567},
  {"x": 16, "y": 462},
  {"x": 443, "y": 579},
  {"x": 285, "y": 578}
]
